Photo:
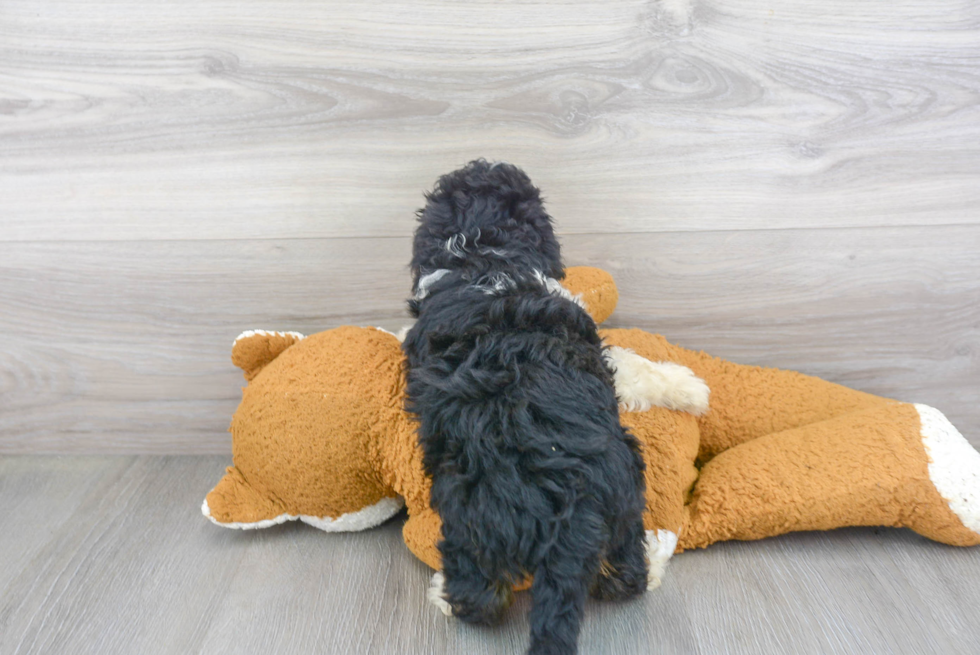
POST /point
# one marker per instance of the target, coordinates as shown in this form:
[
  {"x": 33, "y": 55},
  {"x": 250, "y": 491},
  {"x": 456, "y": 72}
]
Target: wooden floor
[{"x": 111, "y": 555}]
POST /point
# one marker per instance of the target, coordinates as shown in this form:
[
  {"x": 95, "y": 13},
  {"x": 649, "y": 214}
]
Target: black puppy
[{"x": 532, "y": 472}]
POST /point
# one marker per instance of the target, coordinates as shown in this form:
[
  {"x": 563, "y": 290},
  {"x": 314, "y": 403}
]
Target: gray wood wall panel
[
  {"x": 126, "y": 564},
  {"x": 217, "y": 120},
  {"x": 794, "y": 185},
  {"x": 124, "y": 346}
]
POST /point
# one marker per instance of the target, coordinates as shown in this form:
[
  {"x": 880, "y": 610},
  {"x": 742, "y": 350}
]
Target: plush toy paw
[
  {"x": 954, "y": 466},
  {"x": 660, "y": 548},
  {"x": 642, "y": 384},
  {"x": 437, "y": 593}
]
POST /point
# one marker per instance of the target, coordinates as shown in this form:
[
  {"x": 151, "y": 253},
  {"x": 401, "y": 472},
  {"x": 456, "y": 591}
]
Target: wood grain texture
[
  {"x": 271, "y": 119},
  {"x": 111, "y": 555},
  {"x": 124, "y": 346},
  {"x": 794, "y": 186}
]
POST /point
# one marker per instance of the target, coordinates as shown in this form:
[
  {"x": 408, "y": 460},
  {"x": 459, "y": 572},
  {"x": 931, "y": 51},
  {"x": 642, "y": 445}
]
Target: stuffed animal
[{"x": 321, "y": 436}]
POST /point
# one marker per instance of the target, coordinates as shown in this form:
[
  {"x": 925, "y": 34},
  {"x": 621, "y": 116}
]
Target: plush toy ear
[
  {"x": 596, "y": 288},
  {"x": 254, "y": 349}
]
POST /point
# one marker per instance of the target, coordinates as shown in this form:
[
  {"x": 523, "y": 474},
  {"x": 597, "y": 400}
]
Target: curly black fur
[{"x": 532, "y": 472}]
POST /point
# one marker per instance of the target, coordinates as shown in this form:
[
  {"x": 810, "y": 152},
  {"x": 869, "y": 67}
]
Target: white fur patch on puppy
[
  {"x": 437, "y": 593},
  {"x": 555, "y": 288},
  {"x": 495, "y": 283},
  {"x": 428, "y": 280},
  {"x": 642, "y": 384},
  {"x": 661, "y": 545},
  {"x": 456, "y": 245}
]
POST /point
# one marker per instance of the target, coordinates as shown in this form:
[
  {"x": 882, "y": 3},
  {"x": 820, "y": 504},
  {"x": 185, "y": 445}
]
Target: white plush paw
[
  {"x": 660, "y": 548},
  {"x": 437, "y": 593},
  {"x": 954, "y": 465},
  {"x": 642, "y": 384}
]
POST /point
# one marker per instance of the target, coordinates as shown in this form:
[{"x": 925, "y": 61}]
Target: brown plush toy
[{"x": 321, "y": 436}]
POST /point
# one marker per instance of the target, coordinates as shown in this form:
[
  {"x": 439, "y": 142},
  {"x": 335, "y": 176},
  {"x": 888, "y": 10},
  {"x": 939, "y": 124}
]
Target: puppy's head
[{"x": 484, "y": 217}]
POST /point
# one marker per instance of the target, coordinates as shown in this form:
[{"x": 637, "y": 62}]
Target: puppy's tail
[{"x": 559, "y": 591}]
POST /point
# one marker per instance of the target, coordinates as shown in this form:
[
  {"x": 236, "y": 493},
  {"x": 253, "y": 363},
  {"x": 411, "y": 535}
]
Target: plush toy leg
[
  {"x": 747, "y": 401},
  {"x": 891, "y": 464},
  {"x": 422, "y": 531},
  {"x": 669, "y": 444}
]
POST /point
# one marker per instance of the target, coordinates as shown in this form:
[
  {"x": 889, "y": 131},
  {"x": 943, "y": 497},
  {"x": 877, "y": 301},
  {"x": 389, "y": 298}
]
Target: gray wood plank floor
[{"x": 111, "y": 555}]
